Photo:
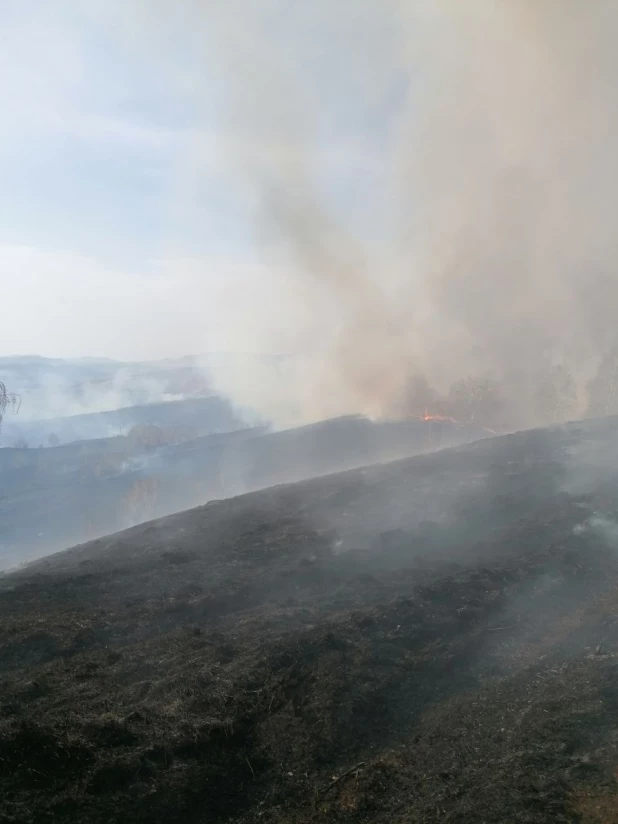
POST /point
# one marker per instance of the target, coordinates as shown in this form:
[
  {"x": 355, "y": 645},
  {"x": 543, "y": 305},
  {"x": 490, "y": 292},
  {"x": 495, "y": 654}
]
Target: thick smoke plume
[{"x": 433, "y": 188}]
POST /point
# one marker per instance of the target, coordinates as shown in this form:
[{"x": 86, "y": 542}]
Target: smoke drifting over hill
[{"x": 432, "y": 186}]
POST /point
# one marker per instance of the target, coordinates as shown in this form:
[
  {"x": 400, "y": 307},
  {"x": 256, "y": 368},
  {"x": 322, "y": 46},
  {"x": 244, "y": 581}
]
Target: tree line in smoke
[
  {"x": 549, "y": 397},
  {"x": 7, "y": 400}
]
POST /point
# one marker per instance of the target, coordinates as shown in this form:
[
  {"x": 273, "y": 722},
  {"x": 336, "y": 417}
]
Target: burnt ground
[{"x": 430, "y": 640}]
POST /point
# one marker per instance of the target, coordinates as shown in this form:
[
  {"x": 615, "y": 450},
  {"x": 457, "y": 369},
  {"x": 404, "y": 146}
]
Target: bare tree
[
  {"x": 603, "y": 388},
  {"x": 8, "y": 400},
  {"x": 418, "y": 398},
  {"x": 556, "y": 395},
  {"x": 477, "y": 402}
]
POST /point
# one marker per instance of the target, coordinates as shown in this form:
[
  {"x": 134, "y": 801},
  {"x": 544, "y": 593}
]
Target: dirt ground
[{"x": 431, "y": 640}]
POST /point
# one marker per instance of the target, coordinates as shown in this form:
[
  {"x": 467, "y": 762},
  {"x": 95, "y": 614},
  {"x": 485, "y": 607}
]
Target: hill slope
[
  {"x": 54, "y": 387},
  {"x": 52, "y": 498},
  {"x": 429, "y": 640},
  {"x": 202, "y": 415}
]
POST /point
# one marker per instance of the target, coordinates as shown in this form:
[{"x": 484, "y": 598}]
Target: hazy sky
[{"x": 121, "y": 232}]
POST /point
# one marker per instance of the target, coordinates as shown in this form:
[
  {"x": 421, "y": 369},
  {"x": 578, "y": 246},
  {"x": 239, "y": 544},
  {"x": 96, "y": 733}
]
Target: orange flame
[{"x": 429, "y": 417}]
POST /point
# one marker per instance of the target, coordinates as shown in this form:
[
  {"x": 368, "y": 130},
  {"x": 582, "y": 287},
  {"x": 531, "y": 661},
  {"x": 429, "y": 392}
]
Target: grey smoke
[
  {"x": 602, "y": 526},
  {"x": 487, "y": 242}
]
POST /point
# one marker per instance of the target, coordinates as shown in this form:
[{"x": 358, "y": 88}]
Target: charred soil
[{"x": 430, "y": 640}]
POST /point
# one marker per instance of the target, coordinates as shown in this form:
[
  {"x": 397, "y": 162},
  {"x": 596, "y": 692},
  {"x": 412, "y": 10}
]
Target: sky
[{"x": 124, "y": 230}]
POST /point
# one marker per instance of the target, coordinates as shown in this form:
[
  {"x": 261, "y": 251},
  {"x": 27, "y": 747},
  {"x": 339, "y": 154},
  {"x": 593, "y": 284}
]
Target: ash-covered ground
[{"x": 434, "y": 639}]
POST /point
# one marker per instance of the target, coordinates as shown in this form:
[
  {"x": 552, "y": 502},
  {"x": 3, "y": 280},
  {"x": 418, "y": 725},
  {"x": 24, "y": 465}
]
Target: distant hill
[
  {"x": 51, "y": 498},
  {"x": 53, "y": 387},
  {"x": 197, "y": 416},
  {"x": 56, "y": 387}
]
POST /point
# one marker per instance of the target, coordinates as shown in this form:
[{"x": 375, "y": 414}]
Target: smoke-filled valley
[{"x": 96, "y": 473}]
